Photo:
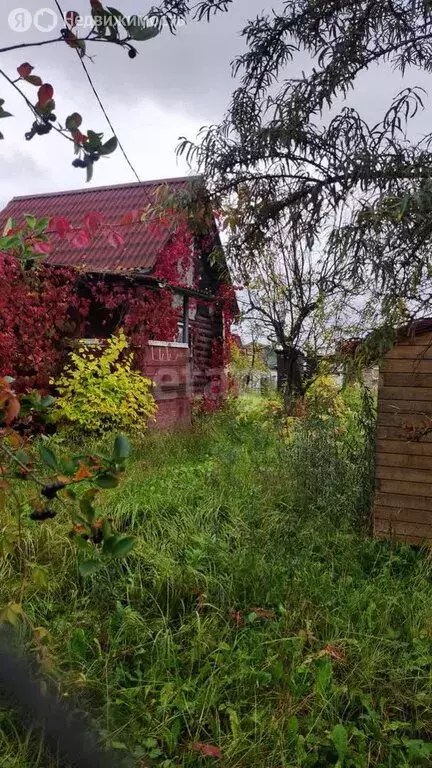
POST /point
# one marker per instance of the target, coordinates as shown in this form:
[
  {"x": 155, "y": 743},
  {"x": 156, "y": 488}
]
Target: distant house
[
  {"x": 260, "y": 370},
  {"x": 182, "y": 365}
]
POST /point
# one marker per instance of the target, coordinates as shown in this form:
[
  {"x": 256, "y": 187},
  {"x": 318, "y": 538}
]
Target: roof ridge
[{"x": 105, "y": 187}]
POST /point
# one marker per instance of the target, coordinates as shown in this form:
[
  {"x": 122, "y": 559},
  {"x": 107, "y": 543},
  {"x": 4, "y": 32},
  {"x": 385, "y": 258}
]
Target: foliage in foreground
[{"x": 255, "y": 619}]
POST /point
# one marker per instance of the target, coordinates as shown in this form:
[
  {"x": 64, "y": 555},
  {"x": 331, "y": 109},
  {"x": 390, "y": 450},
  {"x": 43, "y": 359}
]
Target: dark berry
[
  {"x": 132, "y": 53},
  {"x": 96, "y": 535},
  {"x": 42, "y": 514},
  {"x": 51, "y": 491}
]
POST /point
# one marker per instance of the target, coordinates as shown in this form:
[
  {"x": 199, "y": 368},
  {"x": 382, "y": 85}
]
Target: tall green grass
[{"x": 255, "y": 613}]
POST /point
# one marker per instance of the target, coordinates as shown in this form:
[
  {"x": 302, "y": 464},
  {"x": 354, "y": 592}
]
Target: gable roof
[{"x": 142, "y": 244}]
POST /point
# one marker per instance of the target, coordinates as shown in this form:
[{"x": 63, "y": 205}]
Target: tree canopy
[{"x": 288, "y": 147}]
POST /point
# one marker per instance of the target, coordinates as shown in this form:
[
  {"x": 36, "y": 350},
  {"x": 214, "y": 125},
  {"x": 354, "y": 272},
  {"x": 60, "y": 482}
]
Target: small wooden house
[
  {"x": 403, "y": 498},
  {"x": 181, "y": 366}
]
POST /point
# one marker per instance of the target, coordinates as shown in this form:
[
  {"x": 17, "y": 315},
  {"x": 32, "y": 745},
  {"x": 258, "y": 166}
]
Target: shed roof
[
  {"x": 142, "y": 244},
  {"x": 416, "y": 327}
]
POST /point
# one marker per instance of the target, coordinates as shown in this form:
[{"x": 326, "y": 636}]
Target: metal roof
[{"x": 142, "y": 244}]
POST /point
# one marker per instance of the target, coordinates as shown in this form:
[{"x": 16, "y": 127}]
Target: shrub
[{"x": 100, "y": 391}]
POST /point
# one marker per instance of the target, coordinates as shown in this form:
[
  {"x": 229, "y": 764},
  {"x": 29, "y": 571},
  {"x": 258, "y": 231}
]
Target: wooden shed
[{"x": 403, "y": 497}]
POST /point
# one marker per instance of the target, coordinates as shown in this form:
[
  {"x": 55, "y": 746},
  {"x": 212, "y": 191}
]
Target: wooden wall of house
[
  {"x": 403, "y": 499},
  {"x": 204, "y": 330}
]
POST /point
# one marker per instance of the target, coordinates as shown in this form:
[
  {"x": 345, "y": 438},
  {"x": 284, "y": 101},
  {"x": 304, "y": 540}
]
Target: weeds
[{"x": 254, "y": 618}]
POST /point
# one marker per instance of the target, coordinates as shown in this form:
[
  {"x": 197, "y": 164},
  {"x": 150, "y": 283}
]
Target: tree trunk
[{"x": 290, "y": 375}]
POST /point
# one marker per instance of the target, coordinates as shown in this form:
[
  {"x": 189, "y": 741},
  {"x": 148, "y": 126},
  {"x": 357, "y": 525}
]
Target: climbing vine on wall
[{"x": 43, "y": 306}]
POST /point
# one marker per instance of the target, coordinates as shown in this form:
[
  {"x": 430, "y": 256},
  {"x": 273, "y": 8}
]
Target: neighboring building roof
[{"x": 142, "y": 244}]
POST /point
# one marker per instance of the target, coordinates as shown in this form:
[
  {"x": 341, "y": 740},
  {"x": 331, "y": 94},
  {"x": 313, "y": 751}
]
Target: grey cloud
[{"x": 189, "y": 71}]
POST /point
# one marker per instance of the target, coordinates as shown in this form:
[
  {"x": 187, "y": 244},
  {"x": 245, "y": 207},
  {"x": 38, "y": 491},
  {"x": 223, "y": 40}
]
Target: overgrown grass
[{"x": 255, "y": 613}]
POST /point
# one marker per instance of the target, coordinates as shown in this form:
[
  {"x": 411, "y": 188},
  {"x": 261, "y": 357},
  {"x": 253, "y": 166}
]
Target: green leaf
[
  {"x": 83, "y": 544},
  {"x": 109, "y": 146},
  {"x": 67, "y": 466},
  {"x": 1, "y": 136},
  {"x": 88, "y": 510},
  {"x": 94, "y": 141},
  {"x": 106, "y": 529},
  {"x": 292, "y": 728},
  {"x": 10, "y": 241},
  {"x": 89, "y": 567},
  {"x": 123, "y": 546},
  {"x": 137, "y": 29},
  {"x": 89, "y": 172},
  {"x": 31, "y": 221},
  {"x": 80, "y": 46},
  {"x": 111, "y": 23},
  {"x": 42, "y": 224},
  {"x": 47, "y": 108},
  {"x": 118, "y": 745},
  {"x": 3, "y": 113},
  {"x": 108, "y": 545},
  {"x": 417, "y": 748},
  {"x": 33, "y": 80},
  {"x": 106, "y": 480},
  {"x": 23, "y": 456},
  {"x": 118, "y": 14},
  {"x": 47, "y": 401},
  {"x": 323, "y": 676},
  {"x": 40, "y": 576},
  {"x": 48, "y": 456},
  {"x": 339, "y": 738},
  {"x": 121, "y": 447},
  {"x": 11, "y": 613},
  {"x": 73, "y": 122}
]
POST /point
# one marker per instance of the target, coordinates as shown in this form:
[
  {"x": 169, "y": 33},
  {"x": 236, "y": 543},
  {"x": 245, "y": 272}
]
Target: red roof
[{"x": 142, "y": 244}]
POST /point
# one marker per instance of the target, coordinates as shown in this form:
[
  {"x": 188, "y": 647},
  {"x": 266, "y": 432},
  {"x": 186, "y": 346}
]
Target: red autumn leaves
[
  {"x": 207, "y": 750},
  {"x": 25, "y": 73},
  {"x": 45, "y": 95},
  {"x": 45, "y": 92},
  {"x": 81, "y": 237},
  {"x": 72, "y": 18}
]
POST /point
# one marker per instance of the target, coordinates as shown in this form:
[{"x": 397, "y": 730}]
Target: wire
[{"x": 107, "y": 118}]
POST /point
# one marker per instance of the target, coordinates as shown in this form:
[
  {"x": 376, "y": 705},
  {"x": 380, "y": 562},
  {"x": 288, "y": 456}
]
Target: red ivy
[
  {"x": 43, "y": 307},
  {"x": 38, "y": 310}
]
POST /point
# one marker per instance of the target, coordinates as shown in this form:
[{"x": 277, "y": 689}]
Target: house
[
  {"x": 182, "y": 365},
  {"x": 403, "y": 498},
  {"x": 260, "y": 367}
]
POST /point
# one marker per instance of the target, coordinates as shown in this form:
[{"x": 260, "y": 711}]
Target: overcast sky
[{"x": 175, "y": 86}]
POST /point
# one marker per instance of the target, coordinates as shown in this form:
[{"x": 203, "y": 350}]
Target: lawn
[{"x": 255, "y": 616}]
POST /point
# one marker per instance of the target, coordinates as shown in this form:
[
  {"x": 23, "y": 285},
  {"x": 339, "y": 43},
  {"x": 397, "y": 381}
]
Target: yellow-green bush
[
  {"x": 100, "y": 391},
  {"x": 324, "y": 397}
]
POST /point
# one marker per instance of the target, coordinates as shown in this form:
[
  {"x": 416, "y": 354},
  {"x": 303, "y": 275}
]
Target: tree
[
  {"x": 289, "y": 289},
  {"x": 109, "y": 25},
  {"x": 359, "y": 194}
]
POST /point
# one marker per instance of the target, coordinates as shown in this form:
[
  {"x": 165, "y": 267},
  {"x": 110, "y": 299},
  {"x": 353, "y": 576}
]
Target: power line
[{"x": 83, "y": 64}]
